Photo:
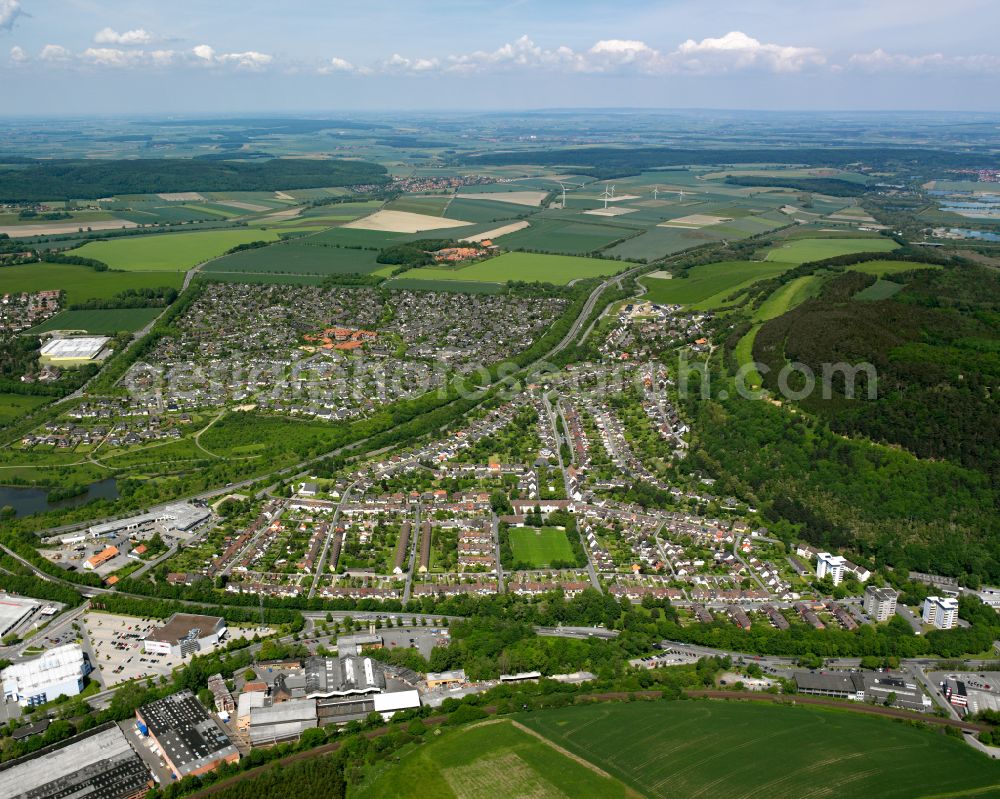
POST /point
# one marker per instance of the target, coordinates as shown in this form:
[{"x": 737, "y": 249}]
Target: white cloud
[
  {"x": 10, "y": 10},
  {"x": 204, "y": 52},
  {"x": 17, "y": 55},
  {"x": 881, "y": 61},
  {"x": 111, "y": 56},
  {"x": 337, "y": 65},
  {"x": 737, "y": 51},
  {"x": 55, "y": 52},
  {"x": 250, "y": 59},
  {"x": 734, "y": 51},
  {"x": 126, "y": 38}
]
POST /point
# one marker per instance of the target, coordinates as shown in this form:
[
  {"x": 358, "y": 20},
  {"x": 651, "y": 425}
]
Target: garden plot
[{"x": 403, "y": 222}]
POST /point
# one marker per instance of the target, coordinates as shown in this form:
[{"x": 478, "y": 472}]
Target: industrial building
[
  {"x": 438, "y": 679},
  {"x": 884, "y": 688},
  {"x": 58, "y": 672},
  {"x": 97, "y": 764},
  {"x": 74, "y": 350},
  {"x": 185, "y": 634},
  {"x": 178, "y": 516},
  {"x": 14, "y": 611},
  {"x": 282, "y": 721},
  {"x": 342, "y": 676},
  {"x": 838, "y": 684},
  {"x": 187, "y": 738},
  {"x": 880, "y": 603},
  {"x": 941, "y": 611}
]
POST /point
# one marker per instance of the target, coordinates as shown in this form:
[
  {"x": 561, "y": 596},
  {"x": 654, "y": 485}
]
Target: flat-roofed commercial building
[
  {"x": 282, "y": 721},
  {"x": 58, "y": 672},
  {"x": 185, "y": 634},
  {"x": 14, "y": 611},
  {"x": 188, "y": 739},
  {"x": 97, "y": 764},
  {"x": 77, "y": 349}
]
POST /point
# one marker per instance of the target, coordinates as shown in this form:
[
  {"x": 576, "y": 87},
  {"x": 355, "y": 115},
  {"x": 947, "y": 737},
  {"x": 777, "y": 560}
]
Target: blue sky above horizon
[{"x": 142, "y": 56}]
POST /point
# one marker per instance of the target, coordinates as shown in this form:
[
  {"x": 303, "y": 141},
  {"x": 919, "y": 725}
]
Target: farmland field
[
  {"x": 80, "y": 282},
  {"x": 540, "y": 546},
  {"x": 879, "y": 290},
  {"x": 879, "y": 268},
  {"x": 488, "y": 761},
  {"x": 802, "y": 250},
  {"x": 297, "y": 257},
  {"x": 709, "y": 285},
  {"x": 111, "y": 320},
  {"x": 169, "y": 252},
  {"x": 728, "y": 749},
  {"x": 788, "y": 296},
  {"x": 566, "y": 236},
  {"x": 557, "y": 269}
]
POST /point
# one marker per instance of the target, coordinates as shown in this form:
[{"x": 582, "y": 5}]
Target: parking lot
[
  {"x": 116, "y": 642},
  {"x": 423, "y": 639}
]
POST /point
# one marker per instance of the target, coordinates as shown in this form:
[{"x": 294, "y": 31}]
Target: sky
[{"x": 72, "y": 57}]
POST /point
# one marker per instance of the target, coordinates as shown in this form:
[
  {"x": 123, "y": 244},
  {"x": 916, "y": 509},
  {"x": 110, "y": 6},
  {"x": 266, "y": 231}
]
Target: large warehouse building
[
  {"x": 185, "y": 634},
  {"x": 97, "y": 764},
  {"x": 14, "y": 611},
  {"x": 188, "y": 739},
  {"x": 58, "y": 672}
]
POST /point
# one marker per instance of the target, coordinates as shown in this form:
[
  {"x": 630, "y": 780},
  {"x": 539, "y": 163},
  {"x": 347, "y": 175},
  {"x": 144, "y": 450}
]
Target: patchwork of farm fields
[
  {"x": 540, "y": 546},
  {"x": 105, "y": 320},
  {"x": 530, "y": 267},
  {"x": 80, "y": 283},
  {"x": 742, "y": 749},
  {"x": 709, "y": 285},
  {"x": 566, "y": 236},
  {"x": 169, "y": 252},
  {"x": 802, "y": 250}
]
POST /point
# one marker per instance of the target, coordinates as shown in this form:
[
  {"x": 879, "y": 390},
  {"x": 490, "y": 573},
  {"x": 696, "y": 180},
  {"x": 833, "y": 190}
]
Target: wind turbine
[
  {"x": 607, "y": 195},
  {"x": 563, "y": 187},
  {"x": 656, "y": 192}
]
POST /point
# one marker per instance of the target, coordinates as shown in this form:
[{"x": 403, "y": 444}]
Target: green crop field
[
  {"x": 540, "y": 546},
  {"x": 490, "y": 761},
  {"x": 80, "y": 283},
  {"x": 802, "y": 250},
  {"x": 729, "y": 749},
  {"x": 708, "y": 285},
  {"x": 14, "y": 406},
  {"x": 879, "y": 268},
  {"x": 565, "y": 236},
  {"x": 297, "y": 257},
  {"x": 105, "y": 320},
  {"x": 557, "y": 269},
  {"x": 879, "y": 290},
  {"x": 169, "y": 252}
]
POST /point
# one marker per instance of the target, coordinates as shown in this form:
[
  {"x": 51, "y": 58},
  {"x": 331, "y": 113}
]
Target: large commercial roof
[
  {"x": 81, "y": 347},
  {"x": 55, "y": 666},
  {"x": 185, "y": 731},
  {"x": 180, "y": 515},
  {"x": 13, "y": 610},
  {"x": 830, "y": 681},
  {"x": 99, "y": 764},
  {"x": 343, "y": 675},
  {"x": 183, "y": 625}
]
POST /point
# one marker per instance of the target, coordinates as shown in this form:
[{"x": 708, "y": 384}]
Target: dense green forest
[
  {"x": 935, "y": 347},
  {"x": 829, "y": 186},
  {"x": 66, "y": 179},
  {"x": 606, "y": 162}
]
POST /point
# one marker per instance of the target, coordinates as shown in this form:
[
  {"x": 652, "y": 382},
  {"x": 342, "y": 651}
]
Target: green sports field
[
  {"x": 105, "y": 320},
  {"x": 494, "y": 760},
  {"x": 740, "y": 750},
  {"x": 80, "y": 283},
  {"x": 169, "y": 252},
  {"x": 708, "y": 285},
  {"x": 557, "y": 269},
  {"x": 802, "y": 250},
  {"x": 540, "y": 546}
]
